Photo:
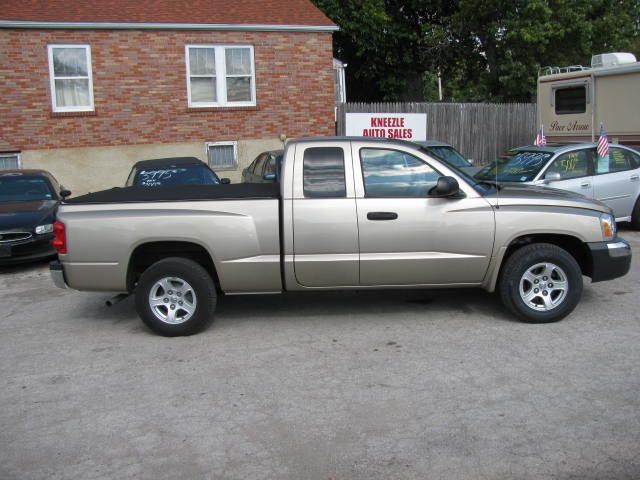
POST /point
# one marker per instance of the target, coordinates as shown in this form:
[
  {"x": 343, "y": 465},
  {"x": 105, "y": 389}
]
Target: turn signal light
[
  {"x": 608, "y": 224},
  {"x": 59, "y": 241}
]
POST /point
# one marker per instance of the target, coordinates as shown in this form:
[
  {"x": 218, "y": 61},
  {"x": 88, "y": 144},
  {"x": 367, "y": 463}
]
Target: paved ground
[{"x": 331, "y": 386}]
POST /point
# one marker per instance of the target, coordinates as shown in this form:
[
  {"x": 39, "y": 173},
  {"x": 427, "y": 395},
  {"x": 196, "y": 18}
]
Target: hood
[
  {"x": 26, "y": 215},
  {"x": 518, "y": 194}
]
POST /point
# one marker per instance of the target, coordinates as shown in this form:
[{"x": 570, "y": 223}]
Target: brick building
[{"x": 89, "y": 88}]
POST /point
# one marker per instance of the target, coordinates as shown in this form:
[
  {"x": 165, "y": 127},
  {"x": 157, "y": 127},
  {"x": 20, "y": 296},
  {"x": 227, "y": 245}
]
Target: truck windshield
[
  {"x": 187, "y": 175},
  {"x": 516, "y": 166},
  {"x": 22, "y": 188}
]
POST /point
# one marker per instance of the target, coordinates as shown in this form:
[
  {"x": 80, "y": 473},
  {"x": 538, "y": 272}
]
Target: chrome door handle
[
  {"x": 634, "y": 178},
  {"x": 585, "y": 185}
]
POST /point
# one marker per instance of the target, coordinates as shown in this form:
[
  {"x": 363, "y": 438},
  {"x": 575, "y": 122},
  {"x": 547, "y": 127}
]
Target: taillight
[{"x": 59, "y": 241}]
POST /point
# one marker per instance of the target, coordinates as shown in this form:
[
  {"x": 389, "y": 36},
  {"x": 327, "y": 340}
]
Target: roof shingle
[{"x": 229, "y": 12}]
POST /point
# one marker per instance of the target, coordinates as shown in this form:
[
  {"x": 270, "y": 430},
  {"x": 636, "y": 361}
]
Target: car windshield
[
  {"x": 23, "y": 188},
  {"x": 450, "y": 155},
  {"x": 516, "y": 166},
  {"x": 186, "y": 175}
]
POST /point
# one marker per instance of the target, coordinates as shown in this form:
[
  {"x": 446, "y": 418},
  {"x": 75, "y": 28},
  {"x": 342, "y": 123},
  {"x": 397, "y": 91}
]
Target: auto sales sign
[{"x": 404, "y": 126}]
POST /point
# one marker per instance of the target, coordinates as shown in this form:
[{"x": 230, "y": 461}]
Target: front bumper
[
  {"x": 609, "y": 259},
  {"x": 34, "y": 248},
  {"x": 57, "y": 274}
]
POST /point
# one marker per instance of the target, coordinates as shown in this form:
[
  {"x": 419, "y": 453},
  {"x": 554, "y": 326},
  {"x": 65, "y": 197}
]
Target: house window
[
  {"x": 70, "y": 76},
  {"x": 222, "y": 155},
  {"x": 9, "y": 161},
  {"x": 220, "y": 76},
  {"x": 571, "y": 100}
]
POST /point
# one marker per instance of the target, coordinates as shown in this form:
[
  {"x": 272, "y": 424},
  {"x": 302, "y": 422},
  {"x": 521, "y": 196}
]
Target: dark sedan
[
  {"x": 163, "y": 172},
  {"x": 28, "y": 203},
  {"x": 265, "y": 168}
]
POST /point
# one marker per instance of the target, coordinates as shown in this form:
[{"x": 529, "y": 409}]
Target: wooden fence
[{"x": 480, "y": 131}]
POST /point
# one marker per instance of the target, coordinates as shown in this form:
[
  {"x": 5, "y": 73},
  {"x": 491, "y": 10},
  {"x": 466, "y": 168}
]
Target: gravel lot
[{"x": 375, "y": 385}]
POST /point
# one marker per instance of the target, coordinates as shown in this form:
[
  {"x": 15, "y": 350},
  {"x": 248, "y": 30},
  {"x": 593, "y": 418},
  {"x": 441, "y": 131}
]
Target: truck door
[
  {"x": 325, "y": 224},
  {"x": 408, "y": 238}
]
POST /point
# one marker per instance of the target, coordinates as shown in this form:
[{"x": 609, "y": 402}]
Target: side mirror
[
  {"x": 225, "y": 181},
  {"x": 64, "y": 193},
  {"x": 269, "y": 177},
  {"x": 445, "y": 187},
  {"x": 552, "y": 177}
]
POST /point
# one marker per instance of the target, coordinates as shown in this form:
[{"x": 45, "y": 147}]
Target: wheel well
[
  {"x": 147, "y": 254},
  {"x": 573, "y": 245}
]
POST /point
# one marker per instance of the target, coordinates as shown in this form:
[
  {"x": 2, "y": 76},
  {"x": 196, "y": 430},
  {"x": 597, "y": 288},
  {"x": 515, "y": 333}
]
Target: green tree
[
  {"x": 486, "y": 50},
  {"x": 389, "y": 44},
  {"x": 514, "y": 39}
]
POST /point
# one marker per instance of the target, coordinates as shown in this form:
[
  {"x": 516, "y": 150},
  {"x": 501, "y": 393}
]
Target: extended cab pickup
[{"x": 349, "y": 213}]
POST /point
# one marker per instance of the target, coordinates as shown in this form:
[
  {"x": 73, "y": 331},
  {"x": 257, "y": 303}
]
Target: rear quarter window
[{"x": 323, "y": 172}]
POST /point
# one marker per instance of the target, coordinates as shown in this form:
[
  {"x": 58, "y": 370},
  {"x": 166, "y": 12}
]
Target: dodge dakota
[{"x": 348, "y": 213}]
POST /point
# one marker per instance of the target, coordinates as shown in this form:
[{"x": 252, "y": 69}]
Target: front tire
[
  {"x": 175, "y": 297},
  {"x": 541, "y": 283}
]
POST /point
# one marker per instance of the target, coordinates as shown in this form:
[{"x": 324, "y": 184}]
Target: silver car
[{"x": 577, "y": 168}]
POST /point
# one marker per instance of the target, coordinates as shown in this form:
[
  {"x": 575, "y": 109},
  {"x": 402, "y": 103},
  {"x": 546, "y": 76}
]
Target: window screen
[
  {"x": 9, "y": 162},
  {"x": 323, "y": 172},
  {"x": 222, "y": 156},
  {"x": 571, "y": 100},
  {"x": 70, "y": 72},
  {"x": 219, "y": 75}
]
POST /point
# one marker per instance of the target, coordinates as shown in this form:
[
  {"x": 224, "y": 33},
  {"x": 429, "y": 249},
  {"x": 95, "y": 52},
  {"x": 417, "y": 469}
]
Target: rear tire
[
  {"x": 540, "y": 283},
  {"x": 175, "y": 297}
]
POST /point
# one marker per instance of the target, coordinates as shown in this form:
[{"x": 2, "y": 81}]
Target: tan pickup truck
[{"x": 347, "y": 213}]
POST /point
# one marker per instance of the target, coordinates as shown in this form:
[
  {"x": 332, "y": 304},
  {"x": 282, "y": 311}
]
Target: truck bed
[
  {"x": 237, "y": 226},
  {"x": 137, "y": 194}
]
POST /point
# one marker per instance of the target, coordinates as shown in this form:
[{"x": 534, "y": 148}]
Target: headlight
[
  {"x": 608, "y": 224},
  {"x": 48, "y": 228}
]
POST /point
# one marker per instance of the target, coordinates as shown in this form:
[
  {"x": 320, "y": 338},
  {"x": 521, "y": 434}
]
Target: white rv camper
[{"x": 574, "y": 101}]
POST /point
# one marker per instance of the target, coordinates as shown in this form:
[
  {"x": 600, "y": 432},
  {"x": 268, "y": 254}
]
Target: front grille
[{"x": 8, "y": 237}]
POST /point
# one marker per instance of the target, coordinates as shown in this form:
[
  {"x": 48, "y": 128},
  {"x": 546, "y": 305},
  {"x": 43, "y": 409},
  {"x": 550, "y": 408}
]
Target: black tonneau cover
[{"x": 237, "y": 191}]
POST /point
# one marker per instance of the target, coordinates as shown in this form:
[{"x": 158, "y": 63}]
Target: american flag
[
  {"x": 540, "y": 138},
  {"x": 603, "y": 143}
]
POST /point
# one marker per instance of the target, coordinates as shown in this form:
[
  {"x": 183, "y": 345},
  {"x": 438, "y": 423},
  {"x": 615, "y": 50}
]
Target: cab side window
[
  {"x": 571, "y": 165},
  {"x": 619, "y": 160},
  {"x": 392, "y": 173}
]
